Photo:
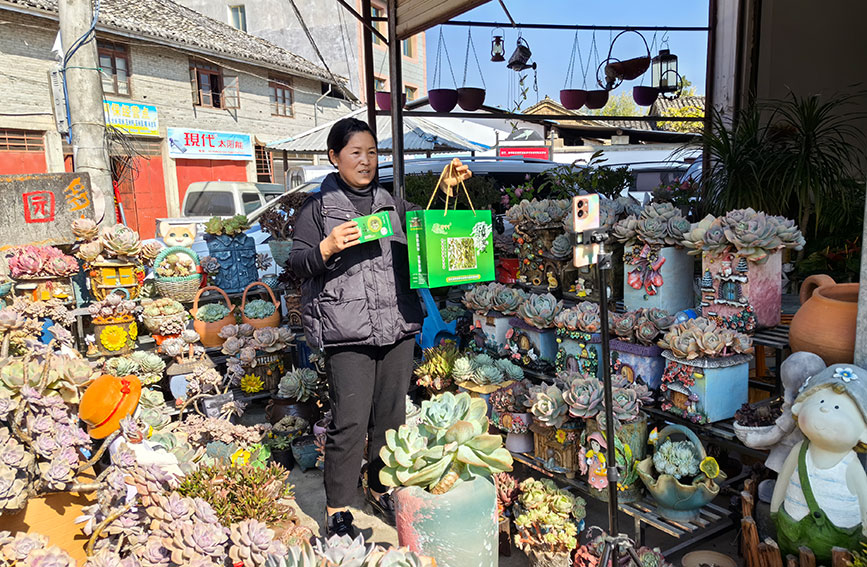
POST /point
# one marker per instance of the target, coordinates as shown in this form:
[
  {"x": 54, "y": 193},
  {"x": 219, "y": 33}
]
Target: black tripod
[{"x": 614, "y": 542}]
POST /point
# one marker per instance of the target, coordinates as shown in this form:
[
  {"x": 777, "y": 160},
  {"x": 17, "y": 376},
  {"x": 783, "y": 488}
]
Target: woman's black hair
[{"x": 343, "y": 130}]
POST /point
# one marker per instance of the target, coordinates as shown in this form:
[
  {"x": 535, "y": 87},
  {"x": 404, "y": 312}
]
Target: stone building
[{"x": 198, "y": 98}]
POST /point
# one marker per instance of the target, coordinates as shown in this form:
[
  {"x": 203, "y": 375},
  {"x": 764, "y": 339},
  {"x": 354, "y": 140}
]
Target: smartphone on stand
[{"x": 585, "y": 216}]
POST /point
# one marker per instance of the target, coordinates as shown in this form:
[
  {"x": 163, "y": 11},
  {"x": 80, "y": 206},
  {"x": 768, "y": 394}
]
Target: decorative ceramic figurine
[
  {"x": 178, "y": 234},
  {"x": 784, "y": 434},
  {"x": 820, "y": 500},
  {"x": 592, "y": 461}
]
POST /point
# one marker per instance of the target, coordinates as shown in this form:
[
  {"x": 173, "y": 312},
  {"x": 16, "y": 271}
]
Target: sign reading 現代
[
  {"x": 40, "y": 208},
  {"x": 131, "y": 117},
  {"x": 207, "y": 144}
]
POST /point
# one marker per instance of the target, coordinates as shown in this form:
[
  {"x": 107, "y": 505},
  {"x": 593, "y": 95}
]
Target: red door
[
  {"x": 144, "y": 197},
  {"x": 192, "y": 170},
  {"x": 19, "y": 163}
]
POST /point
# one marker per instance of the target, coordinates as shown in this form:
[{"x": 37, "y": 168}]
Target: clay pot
[
  {"x": 278, "y": 408},
  {"x": 471, "y": 98},
  {"x": 442, "y": 100},
  {"x": 825, "y": 323},
  {"x": 272, "y": 320},
  {"x": 573, "y": 99},
  {"x": 209, "y": 333},
  {"x": 596, "y": 99},
  {"x": 645, "y": 96}
]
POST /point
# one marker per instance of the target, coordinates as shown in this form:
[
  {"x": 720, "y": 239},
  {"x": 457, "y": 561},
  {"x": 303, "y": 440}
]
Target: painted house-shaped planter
[
  {"x": 493, "y": 327},
  {"x": 657, "y": 277},
  {"x": 705, "y": 390},
  {"x": 740, "y": 294},
  {"x": 109, "y": 275},
  {"x": 638, "y": 361},
  {"x": 526, "y": 344},
  {"x": 578, "y": 352}
]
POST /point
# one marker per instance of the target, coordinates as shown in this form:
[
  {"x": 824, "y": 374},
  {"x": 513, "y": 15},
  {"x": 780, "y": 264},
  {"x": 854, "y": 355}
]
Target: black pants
[{"x": 368, "y": 387}]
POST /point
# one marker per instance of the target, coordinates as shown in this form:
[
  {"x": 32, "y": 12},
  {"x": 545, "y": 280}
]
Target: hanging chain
[
  {"x": 475, "y": 55},
  {"x": 570, "y": 70},
  {"x": 438, "y": 70},
  {"x": 595, "y": 58}
]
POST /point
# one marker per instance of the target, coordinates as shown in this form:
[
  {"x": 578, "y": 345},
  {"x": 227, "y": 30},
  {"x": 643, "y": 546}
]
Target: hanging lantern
[
  {"x": 498, "y": 46},
  {"x": 664, "y": 72}
]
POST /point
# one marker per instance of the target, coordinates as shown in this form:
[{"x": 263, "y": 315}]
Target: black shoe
[
  {"x": 340, "y": 523},
  {"x": 382, "y": 506}
]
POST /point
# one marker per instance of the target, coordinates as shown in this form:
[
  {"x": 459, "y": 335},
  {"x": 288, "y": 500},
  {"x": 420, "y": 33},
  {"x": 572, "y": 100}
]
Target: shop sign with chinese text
[
  {"x": 40, "y": 208},
  {"x": 206, "y": 144},
  {"x": 131, "y": 117}
]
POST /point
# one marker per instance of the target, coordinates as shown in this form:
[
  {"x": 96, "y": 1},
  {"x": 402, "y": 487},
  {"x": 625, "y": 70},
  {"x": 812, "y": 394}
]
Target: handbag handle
[
  {"x": 211, "y": 287},
  {"x": 254, "y": 284},
  {"x": 450, "y": 170}
]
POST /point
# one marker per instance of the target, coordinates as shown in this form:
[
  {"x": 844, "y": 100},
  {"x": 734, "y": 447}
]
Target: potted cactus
[
  {"x": 579, "y": 344},
  {"x": 492, "y": 305},
  {"x": 634, "y": 349},
  {"x": 657, "y": 270},
  {"x": 680, "y": 476},
  {"x": 164, "y": 318},
  {"x": 509, "y": 414},
  {"x": 741, "y": 257},
  {"x": 113, "y": 256},
  {"x": 114, "y": 328},
  {"x": 296, "y": 395},
  {"x": 209, "y": 319},
  {"x": 445, "y": 501},
  {"x": 532, "y": 336},
  {"x": 548, "y": 520},
  {"x": 707, "y": 375},
  {"x": 234, "y": 250}
]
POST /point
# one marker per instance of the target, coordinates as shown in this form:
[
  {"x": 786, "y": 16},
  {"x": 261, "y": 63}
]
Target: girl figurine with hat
[
  {"x": 592, "y": 462},
  {"x": 820, "y": 499},
  {"x": 107, "y": 401}
]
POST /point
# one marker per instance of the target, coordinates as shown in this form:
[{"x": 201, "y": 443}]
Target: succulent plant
[
  {"x": 399, "y": 557},
  {"x": 270, "y": 339},
  {"x": 176, "y": 265},
  {"x": 89, "y": 251},
  {"x": 701, "y": 337},
  {"x": 435, "y": 371},
  {"x": 511, "y": 371},
  {"x": 451, "y": 444},
  {"x": 296, "y": 556},
  {"x": 299, "y": 384},
  {"x": 642, "y": 325},
  {"x": 162, "y": 307},
  {"x": 259, "y": 309},
  {"x": 507, "y": 489},
  {"x": 212, "y": 312},
  {"x": 538, "y": 214},
  {"x": 120, "y": 241},
  {"x": 463, "y": 369},
  {"x": 507, "y": 300},
  {"x": 658, "y": 224},
  {"x": 85, "y": 229},
  {"x": 677, "y": 458},
  {"x": 584, "y": 396},
  {"x": 549, "y": 517},
  {"x": 290, "y": 424},
  {"x": 150, "y": 251},
  {"x": 549, "y": 408},
  {"x": 40, "y": 261},
  {"x": 481, "y": 297},
  {"x": 216, "y": 226},
  {"x": 540, "y": 310},
  {"x": 190, "y": 541},
  {"x": 251, "y": 542},
  {"x": 485, "y": 375},
  {"x": 582, "y": 317},
  {"x": 562, "y": 248},
  {"x": 754, "y": 235}
]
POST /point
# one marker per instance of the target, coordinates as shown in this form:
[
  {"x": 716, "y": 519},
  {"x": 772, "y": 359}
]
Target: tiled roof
[{"x": 165, "y": 20}]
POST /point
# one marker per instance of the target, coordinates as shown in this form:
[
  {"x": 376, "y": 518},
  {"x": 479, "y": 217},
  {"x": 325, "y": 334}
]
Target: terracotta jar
[{"x": 825, "y": 323}]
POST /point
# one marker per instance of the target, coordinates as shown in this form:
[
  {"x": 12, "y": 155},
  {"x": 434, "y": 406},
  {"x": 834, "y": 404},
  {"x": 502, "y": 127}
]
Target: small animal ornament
[
  {"x": 178, "y": 234},
  {"x": 820, "y": 499}
]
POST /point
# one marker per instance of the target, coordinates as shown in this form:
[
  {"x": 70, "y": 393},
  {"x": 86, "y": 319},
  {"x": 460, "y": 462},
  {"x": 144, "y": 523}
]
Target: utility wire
[{"x": 315, "y": 47}]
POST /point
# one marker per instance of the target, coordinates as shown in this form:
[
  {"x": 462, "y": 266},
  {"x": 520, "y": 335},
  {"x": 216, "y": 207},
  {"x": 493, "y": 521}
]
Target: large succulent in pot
[
  {"x": 584, "y": 396},
  {"x": 755, "y": 235},
  {"x": 120, "y": 241},
  {"x": 481, "y": 297},
  {"x": 701, "y": 337},
  {"x": 549, "y": 408},
  {"x": 658, "y": 224},
  {"x": 643, "y": 326},
  {"x": 299, "y": 384},
  {"x": 507, "y": 300},
  {"x": 540, "y": 310}
]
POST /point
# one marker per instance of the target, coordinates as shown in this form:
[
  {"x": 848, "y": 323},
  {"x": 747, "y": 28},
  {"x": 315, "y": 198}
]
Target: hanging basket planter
[
  {"x": 645, "y": 96},
  {"x": 179, "y": 288},
  {"x": 383, "y": 100},
  {"x": 617, "y": 71},
  {"x": 596, "y": 99},
  {"x": 271, "y": 320},
  {"x": 443, "y": 100},
  {"x": 471, "y": 98},
  {"x": 573, "y": 99}
]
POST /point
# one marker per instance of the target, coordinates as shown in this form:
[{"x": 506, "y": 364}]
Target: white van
[
  {"x": 304, "y": 173},
  {"x": 227, "y": 198}
]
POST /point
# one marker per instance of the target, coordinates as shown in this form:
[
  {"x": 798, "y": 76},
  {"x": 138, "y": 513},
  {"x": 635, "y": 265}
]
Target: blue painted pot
[
  {"x": 304, "y": 451},
  {"x": 639, "y": 361},
  {"x": 705, "y": 390},
  {"x": 676, "y": 292},
  {"x": 579, "y": 352},
  {"x": 542, "y": 341},
  {"x": 458, "y": 528},
  {"x": 237, "y": 258}
]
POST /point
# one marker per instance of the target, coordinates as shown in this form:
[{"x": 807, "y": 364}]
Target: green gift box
[{"x": 449, "y": 247}]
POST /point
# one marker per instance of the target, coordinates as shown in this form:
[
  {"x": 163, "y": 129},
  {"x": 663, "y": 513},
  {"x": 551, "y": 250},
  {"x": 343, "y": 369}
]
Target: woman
[{"x": 358, "y": 307}]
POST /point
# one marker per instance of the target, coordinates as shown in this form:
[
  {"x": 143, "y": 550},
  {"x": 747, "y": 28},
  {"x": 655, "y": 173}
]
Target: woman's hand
[{"x": 343, "y": 236}]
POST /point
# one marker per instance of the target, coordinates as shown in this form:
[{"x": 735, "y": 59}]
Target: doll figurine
[
  {"x": 592, "y": 462},
  {"x": 785, "y": 433},
  {"x": 820, "y": 499}
]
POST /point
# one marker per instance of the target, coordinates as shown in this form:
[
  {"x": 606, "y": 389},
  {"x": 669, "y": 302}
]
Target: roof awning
[
  {"x": 414, "y": 16},
  {"x": 419, "y": 136}
]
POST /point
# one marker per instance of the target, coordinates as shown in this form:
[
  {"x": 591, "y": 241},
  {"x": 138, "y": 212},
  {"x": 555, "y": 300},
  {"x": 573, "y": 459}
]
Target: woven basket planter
[
  {"x": 181, "y": 288},
  {"x": 272, "y": 320},
  {"x": 209, "y": 331}
]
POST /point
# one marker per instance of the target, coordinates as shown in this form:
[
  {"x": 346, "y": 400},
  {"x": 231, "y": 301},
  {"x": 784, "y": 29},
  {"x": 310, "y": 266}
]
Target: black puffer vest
[{"x": 363, "y": 298}]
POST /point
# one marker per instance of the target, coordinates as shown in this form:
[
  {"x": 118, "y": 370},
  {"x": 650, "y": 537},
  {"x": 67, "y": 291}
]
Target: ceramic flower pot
[
  {"x": 657, "y": 277},
  {"x": 573, "y": 99},
  {"x": 640, "y": 361},
  {"x": 471, "y": 98},
  {"x": 458, "y": 528},
  {"x": 675, "y": 500},
  {"x": 115, "y": 338},
  {"x": 644, "y": 96},
  {"x": 272, "y": 320},
  {"x": 578, "y": 352},
  {"x": 304, "y": 451},
  {"x": 740, "y": 294},
  {"x": 209, "y": 332},
  {"x": 825, "y": 323},
  {"x": 705, "y": 390},
  {"x": 283, "y": 458},
  {"x": 494, "y": 326},
  {"x": 442, "y": 100}
]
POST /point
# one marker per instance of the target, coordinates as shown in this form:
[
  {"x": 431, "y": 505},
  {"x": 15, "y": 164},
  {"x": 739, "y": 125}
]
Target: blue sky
[{"x": 552, "y": 48}]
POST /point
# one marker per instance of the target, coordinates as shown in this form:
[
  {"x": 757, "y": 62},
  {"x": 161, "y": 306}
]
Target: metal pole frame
[
  {"x": 369, "y": 88},
  {"x": 396, "y": 85}
]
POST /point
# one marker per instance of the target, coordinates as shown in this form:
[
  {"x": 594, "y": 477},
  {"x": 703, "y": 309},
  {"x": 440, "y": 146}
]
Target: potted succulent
[
  {"x": 538, "y": 224},
  {"x": 579, "y": 344},
  {"x": 435, "y": 372},
  {"x": 44, "y": 271},
  {"x": 177, "y": 273},
  {"x": 707, "y": 375},
  {"x": 164, "y": 318},
  {"x": 114, "y": 327},
  {"x": 442, "y": 468},
  {"x": 754, "y": 422},
  {"x": 147, "y": 366},
  {"x": 279, "y": 223},
  {"x": 657, "y": 269},
  {"x": 548, "y": 520},
  {"x": 296, "y": 395},
  {"x": 304, "y": 451},
  {"x": 555, "y": 433},
  {"x": 680, "y": 476},
  {"x": 113, "y": 256},
  {"x": 742, "y": 266},
  {"x": 480, "y": 374},
  {"x": 509, "y": 414},
  {"x": 532, "y": 336},
  {"x": 209, "y": 319},
  {"x": 259, "y": 312},
  {"x": 234, "y": 250},
  {"x": 634, "y": 349},
  {"x": 255, "y": 351},
  {"x": 492, "y": 305}
]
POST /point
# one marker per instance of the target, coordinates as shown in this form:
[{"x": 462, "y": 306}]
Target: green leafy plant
[
  {"x": 239, "y": 493},
  {"x": 451, "y": 444},
  {"x": 213, "y": 312},
  {"x": 217, "y": 226},
  {"x": 569, "y": 180}
]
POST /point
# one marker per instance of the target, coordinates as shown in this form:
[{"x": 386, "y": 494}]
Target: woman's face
[{"x": 356, "y": 162}]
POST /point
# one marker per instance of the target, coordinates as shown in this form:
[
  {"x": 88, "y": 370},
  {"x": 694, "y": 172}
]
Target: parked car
[
  {"x": 227, "y": 198},
  {"x": 647, "y": 176},
  {"x": 304, "y": 173}
]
